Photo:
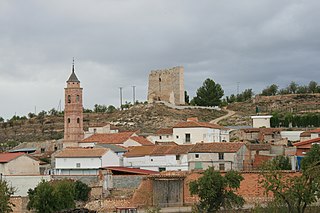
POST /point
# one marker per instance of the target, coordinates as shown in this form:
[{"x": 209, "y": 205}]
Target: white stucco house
[
  {"x": 84, "y": 161},
  {"x": 162, "y": 135},
  {"x": 261, "y": 121},
  {"x": 125, "y": 139},
  {"x": 18, "y": 163},
  {"x": 222, "y": 156},
  {"x": 158, "y": 158},
  {"x": 100, "y": 129},
  {"x": 193, "y": 131}
]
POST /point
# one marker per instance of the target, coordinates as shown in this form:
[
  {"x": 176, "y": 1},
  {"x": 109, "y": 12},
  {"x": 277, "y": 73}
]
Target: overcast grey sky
[{"x": 117, "y": 42}]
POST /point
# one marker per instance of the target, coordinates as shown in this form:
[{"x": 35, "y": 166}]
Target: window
[
  {"x": 177, "y": 157},
  {"x": 188, "y": 138},
  {"x": 221, "y": 156},
  {"x": 94, "y": 130},
  {"x": 221, "y": 166},
  {"x": 78, "y": 165},
  {"x": 162, "y": 169},
  {"x": 198, "y": 165},
  {"x": 151, "y": 159},
  {"x": 69, "y": 99},
  {"x": 78, "y": 120},
  {"x": 160, "y": 137},
  {"x": 55, "y": 148},
  {"x": 78, "y": 98},
  {"x": 69, "y": 120},
  {"x": 177, "y": 136},
  {"x": 43, "y": 150},
  {"x": 196, "y": 155}
]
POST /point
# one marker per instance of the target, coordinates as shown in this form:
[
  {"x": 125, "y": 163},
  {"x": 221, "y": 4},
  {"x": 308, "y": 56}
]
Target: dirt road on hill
[{"x": 230, "y": 113}]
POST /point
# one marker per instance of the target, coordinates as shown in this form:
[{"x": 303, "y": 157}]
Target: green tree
[
  {"x": 209, "y": 94},
  {"x": 1, "y": 119},
  {"x": 293, "y": 87},
  {"x": 111, "y": 109},
  {"x": 5, "y": 192},
  {"x": 281, "y": 163},
  {"x": 216, "y": 191},
  {"x": 294, "y": 192},
  {"x": 312, "y": 87},
  {"x": 270, "y": 90},
  {"x": 186, "y": 97},
  {"x": 81, "y": 191},
  {"x": 42, "y": 198}
]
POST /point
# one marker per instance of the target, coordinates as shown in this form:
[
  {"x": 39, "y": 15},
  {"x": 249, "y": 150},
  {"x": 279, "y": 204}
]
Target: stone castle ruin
[{"x": 167, "y": 85}]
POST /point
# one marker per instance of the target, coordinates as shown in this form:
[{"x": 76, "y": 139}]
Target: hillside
[
  {"x": 148, "y": 118},
  {"x": 294, "y": 103}
]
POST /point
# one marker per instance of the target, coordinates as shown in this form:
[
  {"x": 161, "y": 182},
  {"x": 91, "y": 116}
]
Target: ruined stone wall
[{"x": 167, "y": 85}]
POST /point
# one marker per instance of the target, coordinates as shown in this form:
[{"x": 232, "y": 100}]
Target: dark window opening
[
  {"x": 160, "y": 137},
  {"x": 69, "y": 120},
  {"x": 78, "y": 120},
  {"x": 221, "y": 156},
  {"x": 42, "y": 150},
  {"x": 177, "y": 157},
  {"x": 221, "y": 167},
  {"x": 162, "y": 169},
  {"x": 69, "y": 99},
  {"x": 188, "y": 138},
  {"x": 78, "y": 98},
  {"x": 196, "y": 155}
]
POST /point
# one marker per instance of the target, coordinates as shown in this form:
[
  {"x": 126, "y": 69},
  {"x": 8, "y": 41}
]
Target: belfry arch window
[
  {"x": 69, "y": 120},
  {"x": 78, "y": 120},
  {"x": 69, "y": 99},
  {"x": 78, "y": 98}
]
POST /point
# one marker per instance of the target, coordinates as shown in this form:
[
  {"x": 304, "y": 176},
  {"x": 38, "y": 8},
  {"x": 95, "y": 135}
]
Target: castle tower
[{"x": 73, "y": 112}]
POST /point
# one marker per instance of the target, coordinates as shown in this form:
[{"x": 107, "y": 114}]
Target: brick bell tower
[{"x": 73, "y": 112}]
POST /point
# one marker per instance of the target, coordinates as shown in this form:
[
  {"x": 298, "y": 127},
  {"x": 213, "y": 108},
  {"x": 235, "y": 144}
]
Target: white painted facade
[
  {"x": 229, "y": 161},
  {"x": 160, "y": 138},
  {"x": 199, "y": 134},
  {"x": 291, "y": 135},
  {"x": 85, "y": 165},
  {"x": 158, "y": 163},
  {"x": 100, "y": 130},
  {"x": 261, "y": 121}
]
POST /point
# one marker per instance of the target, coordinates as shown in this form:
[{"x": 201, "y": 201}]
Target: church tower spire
[{"x": 73, "y": 111}]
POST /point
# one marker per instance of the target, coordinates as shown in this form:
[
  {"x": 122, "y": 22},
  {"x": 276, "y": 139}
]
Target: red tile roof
[
  {"x": 131, "y": 170},
  {"x": 141, "y": 140},
  {"x": 305, "y": 134},
  {"x": 315, "y": 130},
  {"x": 228, "y": 147},
  {"x": 109, "y": 138},
  {"x": 139, "y": 151},
  {"x": 7, "y": 157},
  {"x": 77, "y": 152},
  {"x": 307, "y": 142},
  {"x": 190, "y": 124},
  {"x": 167, "y": 131}
]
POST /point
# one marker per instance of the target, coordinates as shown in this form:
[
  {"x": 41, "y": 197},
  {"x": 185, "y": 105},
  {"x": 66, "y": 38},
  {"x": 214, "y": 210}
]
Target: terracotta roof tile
[
  {"x": 228, "y": 147},
  {"x": 109, "y": 138},
  {"x": 167, "y": 131},
  {"x": 301, "y": 143},
  {"x": 142, "y": 140},
  {"x": 76, "y": 152},
  {"x": 7, "y": 157},
  {"x": 315, "y": 130},
  {"x": 138, "y": 151},
  {"x": 130, "y": 170},
  {"x": 305, "y": 134},
  {"x": 190, "y": 124},
  {"x": 258, "y": 147}
]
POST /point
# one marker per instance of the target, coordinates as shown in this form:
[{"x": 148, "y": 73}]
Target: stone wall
[
  {"x": 20, "y": 204},
  {"x": 126, "y": 181},
  {"x": 91, "y": 180},
  {"x": 167, "y": 85}
]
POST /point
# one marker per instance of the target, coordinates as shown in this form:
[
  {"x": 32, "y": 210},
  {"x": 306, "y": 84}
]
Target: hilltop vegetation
[{"x": 144, "y": 117}]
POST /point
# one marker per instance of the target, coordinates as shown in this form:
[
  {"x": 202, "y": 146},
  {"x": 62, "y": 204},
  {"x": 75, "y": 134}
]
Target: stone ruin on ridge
[{"x": 167, "y": 85}]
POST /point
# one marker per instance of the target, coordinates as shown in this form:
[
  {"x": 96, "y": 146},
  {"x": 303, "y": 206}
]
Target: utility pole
[
  {"x": 238, "y": 83},
  {"x": 134, "y": 94},
  {"x": 120, "y": 98}
]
